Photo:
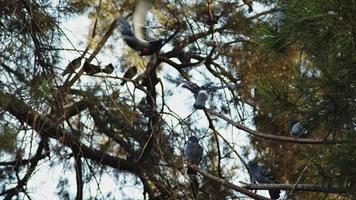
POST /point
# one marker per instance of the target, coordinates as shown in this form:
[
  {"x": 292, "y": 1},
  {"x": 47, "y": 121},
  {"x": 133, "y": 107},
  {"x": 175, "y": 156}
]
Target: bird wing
[
  {"x": 130, "y": 37},
  {"x": 125, "y": 28},
  {"x": 139, "y": 16},
  {"x": 193, "y": 87},
  {"x": 214, "y": 88}
]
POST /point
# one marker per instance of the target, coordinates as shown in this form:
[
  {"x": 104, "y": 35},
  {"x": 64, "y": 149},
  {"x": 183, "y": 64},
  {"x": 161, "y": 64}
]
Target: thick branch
[
  {"x": 48, "y": 128},
  {"x": 274, "y": 137}
]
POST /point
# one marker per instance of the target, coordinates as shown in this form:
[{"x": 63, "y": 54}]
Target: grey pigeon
[
  {"x": 72, "y": 66},
  {"x": 135, "y": 39},
  {"x": 261, "y": 175},
  {"x": 200, "y": 100},
  {"x": 193, "y": 153},
  {"x": 129, "y": 74},
  {"x": 297, "y": 129}
]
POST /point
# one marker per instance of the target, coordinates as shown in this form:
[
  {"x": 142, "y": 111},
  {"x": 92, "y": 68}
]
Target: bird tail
[
  {"x": 274, "y": 194},
  {"x": 191, "y": 171},
  {"x": 194, "y": 184},
  {"x": 122, "y": 83}
]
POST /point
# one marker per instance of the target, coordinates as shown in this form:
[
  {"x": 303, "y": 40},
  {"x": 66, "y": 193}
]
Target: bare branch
[
  {"x": 275, "y": 137},
  {"x": 228, "y": 184}
]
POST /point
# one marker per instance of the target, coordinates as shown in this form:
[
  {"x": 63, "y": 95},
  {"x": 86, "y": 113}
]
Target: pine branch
[
  {"x": 48, "y": 128},
  {"x": 275, "y": 137},
  {"x": 228, "y": 184},
  {"x": 298, "y": 187}
]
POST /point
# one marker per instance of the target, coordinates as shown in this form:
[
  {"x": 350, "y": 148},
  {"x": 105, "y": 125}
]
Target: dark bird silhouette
[
  {"x": 135, "y": 39},
  {"x": 91, "y": 69},
  {"x": 72, "y": 66},
  {"x": 129, "y": 74},
  {"x": 108, "y": 69},
  {"x": 261, "y": 175},
  {"x": 193, "y": 153},
  {"x": 184, "y": 57},
  {"x": 144, "y": 107}
]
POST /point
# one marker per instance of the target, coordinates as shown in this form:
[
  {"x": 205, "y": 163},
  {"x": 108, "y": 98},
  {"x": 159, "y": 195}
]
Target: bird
[
  {"x": 297, "y": 128},
  {"x": 193, "y": 153},
  {"x": 108, "y": 69},
  {"x": 135, "y": 39},
  {"x": 201, "y": 93},
  {"x": 144, "y": 107},
  {"x": 260, "y": 174},
  {"x": 72, "y": 66},
  {"x": 91, "y": 69},
  {"x": 184, "y": 57},
  {"x": 129, "y": 74},
  {"x": 200, "y": 100}
]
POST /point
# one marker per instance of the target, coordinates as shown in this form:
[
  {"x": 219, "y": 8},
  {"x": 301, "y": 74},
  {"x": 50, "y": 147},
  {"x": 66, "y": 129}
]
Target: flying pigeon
[
  {"x": 193, "y": 153},
  {"x": 72, "y": 66},
  {"x": 261, "y": 175},
  {"x": 130, "y": 73},
  {"x": 135, "y": 39},
  {"x": 201, "y": 93},
  {"x": 297, "y": 129}
]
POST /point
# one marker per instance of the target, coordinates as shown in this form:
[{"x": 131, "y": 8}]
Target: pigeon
[
  {"x": 91, "y": 69},
  {"x": 201, "y": 94},
  {"x": 135, "y": 39},
  {"x": 200, "y": 100},
  {"x": 144, "y": 107},
  {"x": 193, "y": 153},
  {"x": 261, "y": 175},
  {"x": 184, "y": 57},
  {"x": 108, "y": 69},
  {"x": 72, "y": 66},
  {"x": 297, "y": 129},
  {"x": 129, "y": 74}
]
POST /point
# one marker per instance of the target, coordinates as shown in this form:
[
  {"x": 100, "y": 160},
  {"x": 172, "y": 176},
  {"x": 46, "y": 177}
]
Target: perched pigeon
[
  {"x": 108, "y": 69},
  {"x": 130, "y": 73},
  {"x": 72, "y": 66},
  {"x": 135, "y": 39},
  {"x": 261, "y": 175},
  {"x": 144, "y": 107},
  {"x": 91, "y": 69},
  {"x": 297, "y": 129},
  {"x": 200, "y": 100},
  {"x": 193, "y": 153},
  {"x": 184, "y": 57}
]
